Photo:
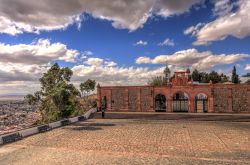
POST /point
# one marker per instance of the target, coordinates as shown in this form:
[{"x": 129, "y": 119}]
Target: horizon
[{"x": 120, "y": 42}]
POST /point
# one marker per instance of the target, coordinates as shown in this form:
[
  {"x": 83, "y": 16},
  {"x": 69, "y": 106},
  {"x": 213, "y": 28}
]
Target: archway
[
  {"x": 201, "y": 103},
  {"x": 180, "y": 102},
  {"x": 160, "y": 103}
]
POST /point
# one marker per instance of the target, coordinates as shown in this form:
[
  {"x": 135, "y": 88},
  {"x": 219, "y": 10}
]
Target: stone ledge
[{"x": 35, "y": 130}]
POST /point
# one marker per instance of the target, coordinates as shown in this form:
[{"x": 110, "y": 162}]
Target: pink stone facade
[
  {"x": 220, "y": 97},
  {"x": 179, "y": 95}
]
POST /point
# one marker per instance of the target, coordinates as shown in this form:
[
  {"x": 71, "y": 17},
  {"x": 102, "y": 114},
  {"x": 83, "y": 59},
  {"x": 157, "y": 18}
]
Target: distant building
[{"x": 180, "y": 95}]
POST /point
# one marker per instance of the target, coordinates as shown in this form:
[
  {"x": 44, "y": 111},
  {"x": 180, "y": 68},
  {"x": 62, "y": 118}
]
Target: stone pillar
[
  {"x": 210, "y": 105},
  {"x": 230, "y": 100},
  {"x": 126, "y": 99},
  {"x": 98, "y": 96},
  {"x": 191, "y": 105},
  {"x": 169, "y": 105},
  {"x": 140, "y": 100}
]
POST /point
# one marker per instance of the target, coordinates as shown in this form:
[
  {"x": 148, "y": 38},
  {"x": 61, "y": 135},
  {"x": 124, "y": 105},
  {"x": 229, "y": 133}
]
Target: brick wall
[{"x": 221, "y": 97}]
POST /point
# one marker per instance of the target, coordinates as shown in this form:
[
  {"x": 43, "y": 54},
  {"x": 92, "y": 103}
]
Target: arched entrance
[
  {"x": 201, "y": 103},
  {"x": 160, "y": 103},
  {"x": 180, "y": 102}
]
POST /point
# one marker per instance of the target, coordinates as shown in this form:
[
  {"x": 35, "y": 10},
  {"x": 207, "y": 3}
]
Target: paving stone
[{"x": 128, "y": 141}]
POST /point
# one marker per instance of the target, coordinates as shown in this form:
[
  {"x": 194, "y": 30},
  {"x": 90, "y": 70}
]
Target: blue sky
[{"x": 118, "y": 42}]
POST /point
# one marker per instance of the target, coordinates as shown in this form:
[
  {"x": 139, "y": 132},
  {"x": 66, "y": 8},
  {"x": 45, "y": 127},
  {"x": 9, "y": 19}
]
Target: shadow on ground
[
  {"x": 234, "y": 125},
  {"x": 88, "y": 126}
]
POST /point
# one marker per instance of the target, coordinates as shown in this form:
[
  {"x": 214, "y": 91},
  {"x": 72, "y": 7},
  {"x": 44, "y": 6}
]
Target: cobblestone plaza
[{"x": 137, "y": 141}]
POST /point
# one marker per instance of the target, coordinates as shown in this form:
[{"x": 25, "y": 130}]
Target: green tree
[
  {"x": 204, "y": 78},
  {"x": 235, "y": 76},
  {"x": 196, "y": 75},
  {"x": 57, "y": 98},
  {"x": 87, "y": 86},
  {"x": 224, "y": 78},
  {"x": 214, "y": 77}
]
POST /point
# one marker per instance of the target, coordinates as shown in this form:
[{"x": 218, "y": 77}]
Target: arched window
[
  {"x": 201, "y": 103},
  {"x": 160, "y": 103},
  {"x": 180, "y": 102}
]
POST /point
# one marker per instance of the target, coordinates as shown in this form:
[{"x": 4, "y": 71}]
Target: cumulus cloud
[
  {"x": 34, "y": 16},
  {"x": 194, "y": 59},
  {"x": 26, "y": 62},
  {"x": 141, "y": 43},
  {"x": 115, "y": 75},
  {"x": 168, "y": 8},
  {"x": 222, "y": 7},
  {"x": 167, "y": 42},
  {"x": 247, "y": 67},
  {"x": 94, "y": 61},
  {"x": 39, "y": 52},
  {"x": 228, "y": 23},
  {"x": 99, "y": 62}
]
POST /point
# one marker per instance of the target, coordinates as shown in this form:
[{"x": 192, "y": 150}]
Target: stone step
[{"x": 175, "y": 116}]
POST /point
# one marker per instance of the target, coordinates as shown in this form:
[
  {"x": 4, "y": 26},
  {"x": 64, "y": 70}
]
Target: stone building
[{"x": 181, "y": 95}]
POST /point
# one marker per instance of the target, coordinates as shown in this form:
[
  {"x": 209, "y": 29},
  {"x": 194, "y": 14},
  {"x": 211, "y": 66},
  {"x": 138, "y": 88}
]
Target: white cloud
[
  {"x": 18, "y": 87},
  {"x": 115, "y": 75},
  {"x": 222, "y": 7},
  {"x": 94, "y": 61},
  {"x": 110, "y": 63},
  {"x": 193, "y": 59},
  {"x": 193, "y": 30},
  {"x": 167, "y": 8},
  {"x": 26, "y": 62},
  {"x": 22, "y": 65},
  {"x": 17, "y": 16},
  {"x": 85, "y": 55},
  {"x": 228, "y": 23},
  {"x": 39, "y": 52},
  {"x": 247, "y": 67},
  {"x": 99, "y": 62},
  {"x": 167, "y": 42},
  {"x": 141, "y": 43}
]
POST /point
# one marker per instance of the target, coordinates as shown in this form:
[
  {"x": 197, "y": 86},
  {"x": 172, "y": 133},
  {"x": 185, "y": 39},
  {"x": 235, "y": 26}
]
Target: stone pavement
[{"x": 135, "y": 141}]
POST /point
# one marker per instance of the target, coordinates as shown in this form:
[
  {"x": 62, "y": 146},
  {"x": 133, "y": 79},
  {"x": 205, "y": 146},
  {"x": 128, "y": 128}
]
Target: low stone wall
[{"x": 14, "y": 136}]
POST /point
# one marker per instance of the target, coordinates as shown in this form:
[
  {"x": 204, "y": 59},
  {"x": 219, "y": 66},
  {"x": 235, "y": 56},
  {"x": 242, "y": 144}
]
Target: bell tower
[{"x": 181, "y": 78}]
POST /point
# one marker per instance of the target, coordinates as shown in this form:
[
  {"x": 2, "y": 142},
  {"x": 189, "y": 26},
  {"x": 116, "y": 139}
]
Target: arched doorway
[
  {"x": 180, "y": 102},
  {"x": 201, "y": 103},
  {"x": 160, "y": 103}
]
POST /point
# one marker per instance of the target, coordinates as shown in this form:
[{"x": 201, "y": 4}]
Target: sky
[{"x": 120, "y": 42}]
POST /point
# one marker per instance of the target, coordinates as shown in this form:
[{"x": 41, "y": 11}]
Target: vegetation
[
  {"x": 201, "y": 77},
  {"x": 204, "y": 77},
  {"x": 57, "y": 98},
  {"x": 235, "y": 77},
  {"x": 87, "y": 86}
]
